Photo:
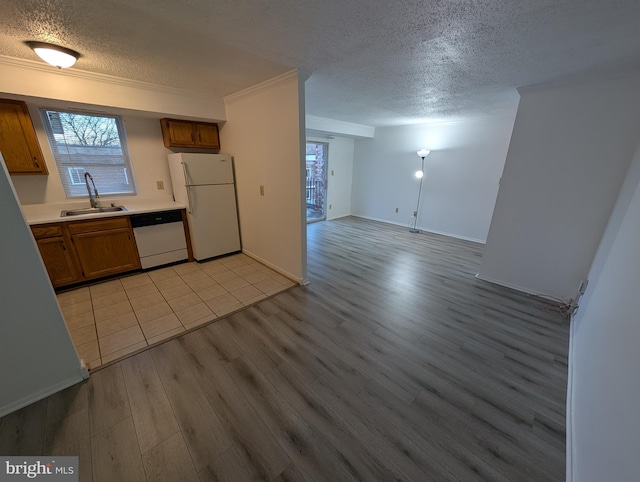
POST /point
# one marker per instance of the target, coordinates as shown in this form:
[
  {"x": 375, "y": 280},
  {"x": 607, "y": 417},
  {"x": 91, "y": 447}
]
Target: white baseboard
[
  {"x": 432, "y": 231},
  {"x": 528, "y": 291},
  {"x": 40, "y": 394},
  {"x": 295, "y": 279}
]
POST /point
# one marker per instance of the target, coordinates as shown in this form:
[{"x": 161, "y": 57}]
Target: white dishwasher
[{"x": 160, "y": 237}]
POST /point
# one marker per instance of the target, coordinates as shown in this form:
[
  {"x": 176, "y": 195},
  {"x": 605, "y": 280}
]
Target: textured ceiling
[{"x": 373, "y": 62}]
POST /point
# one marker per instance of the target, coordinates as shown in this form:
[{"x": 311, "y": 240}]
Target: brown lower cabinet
[
  {"x": 58, "y": 261},
  {"x": 77, "y": 251}
]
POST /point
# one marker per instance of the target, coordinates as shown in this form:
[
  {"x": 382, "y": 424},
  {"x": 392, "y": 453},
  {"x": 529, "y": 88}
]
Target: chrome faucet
[{"x": 92, "y": 197}]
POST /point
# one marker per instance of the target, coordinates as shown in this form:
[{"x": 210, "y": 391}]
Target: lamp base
[{"x": 414, "y": 230}]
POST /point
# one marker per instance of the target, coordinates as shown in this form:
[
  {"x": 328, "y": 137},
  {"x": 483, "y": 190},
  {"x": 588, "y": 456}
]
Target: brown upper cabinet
[
  {"x": 180, "y": 133},
  {"x": 18, "y": 141}
]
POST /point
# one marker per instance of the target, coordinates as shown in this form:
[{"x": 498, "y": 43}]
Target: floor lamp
[{"x": 422, "y": 153}]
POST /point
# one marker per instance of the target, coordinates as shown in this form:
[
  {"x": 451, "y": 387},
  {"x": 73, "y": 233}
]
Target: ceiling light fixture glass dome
[{"x": 55, "y": 55}]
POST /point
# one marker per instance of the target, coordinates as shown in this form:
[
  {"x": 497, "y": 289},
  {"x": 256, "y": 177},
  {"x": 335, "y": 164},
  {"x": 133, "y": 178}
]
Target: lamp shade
[
  {"x": 55, "y": 55},
  {"x": 423, "y": 153}
]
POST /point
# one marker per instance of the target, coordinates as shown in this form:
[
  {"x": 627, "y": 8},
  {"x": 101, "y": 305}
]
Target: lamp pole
[{"x": 422, "y": 153}]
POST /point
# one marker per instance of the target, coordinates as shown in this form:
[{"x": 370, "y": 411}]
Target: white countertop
[{"x": 50, "y": 213}]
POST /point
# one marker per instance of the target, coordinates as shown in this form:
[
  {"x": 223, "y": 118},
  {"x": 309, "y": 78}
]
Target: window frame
[
  {"x": 64, "y": 168},
  {"x": 77, "y": 172}
]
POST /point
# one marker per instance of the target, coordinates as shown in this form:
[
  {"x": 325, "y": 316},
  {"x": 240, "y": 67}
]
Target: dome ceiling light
[{"x": 55, "y": 55}]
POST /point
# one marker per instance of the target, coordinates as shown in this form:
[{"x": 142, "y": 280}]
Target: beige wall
[
  {"x": 140, "y": 104},
  {"x": 23, "y": 77},
  {"x": 146, "y": 150},
  {"x": 265, "y": 134}
]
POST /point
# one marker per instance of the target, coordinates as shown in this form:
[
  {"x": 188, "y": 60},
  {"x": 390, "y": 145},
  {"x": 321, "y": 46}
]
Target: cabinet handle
[
  {"x": 192, "y": 138},
  {"x": 35, "y": 162},
  {"x": 64, "y": 248}
]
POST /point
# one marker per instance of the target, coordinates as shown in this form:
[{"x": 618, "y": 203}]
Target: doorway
[{"x": 316, "y": 181}]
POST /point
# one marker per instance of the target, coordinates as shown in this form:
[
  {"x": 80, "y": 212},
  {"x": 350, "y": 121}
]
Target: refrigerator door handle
[
  {"x": 188, "y": 186},
  {"x": 189, "y": 210},
  {"x": 186, "y": 174}
]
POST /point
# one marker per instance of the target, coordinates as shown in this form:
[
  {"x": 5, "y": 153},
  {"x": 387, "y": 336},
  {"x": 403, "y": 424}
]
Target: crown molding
[
  {"x": 338, "y": 127},
  {"x": 267, "y": 84},
  {"x": 96, "y": 77}
]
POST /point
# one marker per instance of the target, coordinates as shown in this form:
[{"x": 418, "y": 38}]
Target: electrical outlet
[
  {"x": 160, "y": 185},
  {"x": 583, "y": 286},
  {"x": 330, "y": 206},
  {"x": 396, "y": 209},
  {"x": 262, "y": 190},
  {"x": 332, "y": 172},
  {"x": 415, "y": 213}
]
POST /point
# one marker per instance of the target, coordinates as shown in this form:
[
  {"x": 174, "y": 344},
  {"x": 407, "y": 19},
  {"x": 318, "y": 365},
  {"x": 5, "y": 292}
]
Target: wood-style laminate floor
[{"x": 395, "y": 363}]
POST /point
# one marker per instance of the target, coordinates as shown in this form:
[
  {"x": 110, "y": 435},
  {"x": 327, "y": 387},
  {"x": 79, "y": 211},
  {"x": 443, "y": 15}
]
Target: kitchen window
[
  {"x": 76, "y": 175},
  {"x": 87, "y": 142}
]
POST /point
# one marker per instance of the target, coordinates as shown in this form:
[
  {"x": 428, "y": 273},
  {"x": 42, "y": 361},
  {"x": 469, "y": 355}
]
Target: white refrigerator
[{"x": 205, "y": 184}]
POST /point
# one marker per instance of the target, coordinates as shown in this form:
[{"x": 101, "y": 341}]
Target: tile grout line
[{"x": 224, "y": 271}]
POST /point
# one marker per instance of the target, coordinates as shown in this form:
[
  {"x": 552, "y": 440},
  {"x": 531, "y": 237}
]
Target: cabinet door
[
  {"x": 58, "y": 261},
  {"x": 103, "y": 253},
  {"x": 18, "y": 141},
  {"x": 178, "y": 134},
  {"x": 207, "y": 136}
]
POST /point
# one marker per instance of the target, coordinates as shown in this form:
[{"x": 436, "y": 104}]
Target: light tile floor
[{"x": 114, "y": 318}]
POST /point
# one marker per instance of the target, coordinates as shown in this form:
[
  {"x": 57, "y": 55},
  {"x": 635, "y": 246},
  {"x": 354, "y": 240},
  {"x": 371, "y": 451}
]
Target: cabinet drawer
[
  {"x": 46, "y": 231},
  {"x": 98, "y": 225}
]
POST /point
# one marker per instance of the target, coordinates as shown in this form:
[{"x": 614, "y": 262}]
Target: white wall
[
  {"x": 37, "y": 357},
  {"x": 339, "y": 174},
  {"x": 571, "y": 147},
  {"x": 461, "y": 175},
  {"x": 146, "y": 150},
  {"x": 265, "y": 134},
  {"x": 604, "y": 388}
]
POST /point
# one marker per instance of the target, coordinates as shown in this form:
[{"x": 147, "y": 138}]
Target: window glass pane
[{"x": 93, "y": 143}]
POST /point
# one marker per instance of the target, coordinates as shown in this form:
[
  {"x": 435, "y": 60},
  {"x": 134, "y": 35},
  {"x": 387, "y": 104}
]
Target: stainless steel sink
[{"x": 99, "y": 209}]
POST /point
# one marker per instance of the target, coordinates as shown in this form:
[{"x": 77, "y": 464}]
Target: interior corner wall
[
  {"x": 603, "y": 429},
  {"x": 570, "y": 149},
  {"x": 265, "y": 134},
  {"x": 461, "y": 180},
  {"x": 339, "y": 175},
  {"x": 37, "y": 357}
]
